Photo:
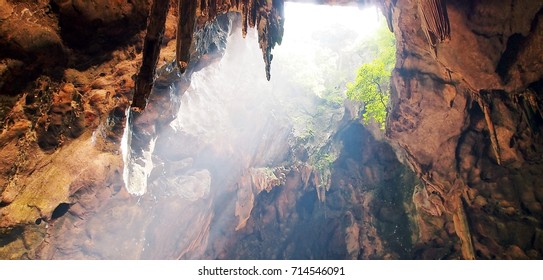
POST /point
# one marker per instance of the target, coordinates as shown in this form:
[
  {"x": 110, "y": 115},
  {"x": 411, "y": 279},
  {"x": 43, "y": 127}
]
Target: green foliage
[
  {"x": 324, "y": 161},
  {"x": 372, "y": 83},
  {"x": 333, "y": 97}
]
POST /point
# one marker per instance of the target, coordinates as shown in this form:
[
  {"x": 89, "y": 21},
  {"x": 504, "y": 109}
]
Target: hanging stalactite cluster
[
  {"x": 436, "y": 24},
  {"x": 267, "y": 16}
]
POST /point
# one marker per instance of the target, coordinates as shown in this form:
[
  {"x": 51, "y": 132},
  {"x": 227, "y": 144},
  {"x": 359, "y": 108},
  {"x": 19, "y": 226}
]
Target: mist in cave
[
  {"x": 432, "y": 149},
  {"x": 236, "y": 134}
]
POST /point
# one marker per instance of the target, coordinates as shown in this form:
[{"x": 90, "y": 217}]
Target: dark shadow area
[
  {"x": 8, "y": 235},
  {"x": 60, "y": 210},
  {"x": 509, "y": 56}
]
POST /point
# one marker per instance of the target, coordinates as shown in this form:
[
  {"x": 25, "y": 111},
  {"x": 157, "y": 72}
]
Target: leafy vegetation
[
  {"x": 372, "y": 83},
  {"x": 313, "y": 69},
  {"x": 324, "y": 161}
]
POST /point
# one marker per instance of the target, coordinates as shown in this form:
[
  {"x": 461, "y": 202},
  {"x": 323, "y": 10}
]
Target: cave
[{"x": 219, "y": 129}]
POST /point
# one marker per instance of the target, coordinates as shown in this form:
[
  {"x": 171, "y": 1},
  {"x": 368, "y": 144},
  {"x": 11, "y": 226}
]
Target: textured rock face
[
  {"x": 363, "y": 216},
  {"x": 60, "y": 137},
  {"x": 29, "y": 43},
  {"x": 99, "y": 21},
  {"x": 466, "y": 116}
]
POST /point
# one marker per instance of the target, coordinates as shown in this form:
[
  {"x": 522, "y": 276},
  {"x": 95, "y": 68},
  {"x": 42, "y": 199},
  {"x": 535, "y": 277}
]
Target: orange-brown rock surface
[
  {"x": 467, "y": 121},
  {"x": 466, "y": 117}
]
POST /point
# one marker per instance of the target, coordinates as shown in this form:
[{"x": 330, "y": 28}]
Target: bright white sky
[
  {"x": 299, "y": 51},
  {"x": 301, "y": 17}
]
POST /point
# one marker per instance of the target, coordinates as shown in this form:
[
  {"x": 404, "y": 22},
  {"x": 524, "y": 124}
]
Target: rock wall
[
  {"x": 367, "y": 212},
  {"x": 68, "y": 94},
  {"x": 466, "y": 117}
]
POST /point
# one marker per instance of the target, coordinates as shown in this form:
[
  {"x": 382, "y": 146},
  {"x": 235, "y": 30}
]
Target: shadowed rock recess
[{"x": 456, "y": 175}]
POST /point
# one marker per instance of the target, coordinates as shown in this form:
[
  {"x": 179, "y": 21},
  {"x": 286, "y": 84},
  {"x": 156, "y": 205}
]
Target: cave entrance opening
[
  {"x": 230, "y": 108},
  {"x": 237, "y": 136},
  {"x": 347, "y": 47}
]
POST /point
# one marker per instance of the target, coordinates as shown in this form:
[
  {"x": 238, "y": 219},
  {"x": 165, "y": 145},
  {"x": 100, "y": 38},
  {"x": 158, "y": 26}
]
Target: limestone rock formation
[
  {"x": 462, "y": 119},
  {"x": 266, "y": 16},
  {"x": 466, "y": 118},
  {"x": 358, "y": 220},
  {"x": 84, "y": 23}
]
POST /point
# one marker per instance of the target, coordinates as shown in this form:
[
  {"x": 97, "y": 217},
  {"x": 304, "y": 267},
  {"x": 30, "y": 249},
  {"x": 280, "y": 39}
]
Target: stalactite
[
  {"x": 151, "y": 51},
  {"x": 244, "y": 12},
  {"x": 265, "y": 15},
  {"x": 461, "y": 227},
  {"x": 491, "y": 129},
  {"x": 532, "y": 99},
  {"x": 251, "y": 9},
  {"x": 436, "y": 24},
  {"x": 185, "y": 31}
]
